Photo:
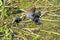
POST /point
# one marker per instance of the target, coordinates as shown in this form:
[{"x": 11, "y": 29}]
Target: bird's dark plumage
[
  {"x": 17, "y": 20},
  {"x": 36, "y": 18}
]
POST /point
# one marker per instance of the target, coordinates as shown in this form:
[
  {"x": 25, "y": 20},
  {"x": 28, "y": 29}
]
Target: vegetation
[{"x": 49, "y": 29}]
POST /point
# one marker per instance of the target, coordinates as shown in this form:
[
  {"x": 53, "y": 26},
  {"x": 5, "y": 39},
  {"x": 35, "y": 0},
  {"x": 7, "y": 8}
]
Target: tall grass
[{"x": 50, "y": 24}]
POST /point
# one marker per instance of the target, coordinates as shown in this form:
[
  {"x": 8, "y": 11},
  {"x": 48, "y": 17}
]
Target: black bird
[
  {"x": 36, "y": 18},
  {"x": 18, "y": 19}
]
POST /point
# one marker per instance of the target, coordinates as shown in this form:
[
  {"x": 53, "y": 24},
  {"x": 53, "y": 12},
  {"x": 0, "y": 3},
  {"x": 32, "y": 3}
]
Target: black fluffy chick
[
  {"x": 18, "y": 19},
  {"x": 36, "y": 18}
]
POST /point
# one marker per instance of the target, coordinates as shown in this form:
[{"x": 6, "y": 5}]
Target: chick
[
  {"x": 30, "y": 14},
  {"x": 34, "y": 16}
]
